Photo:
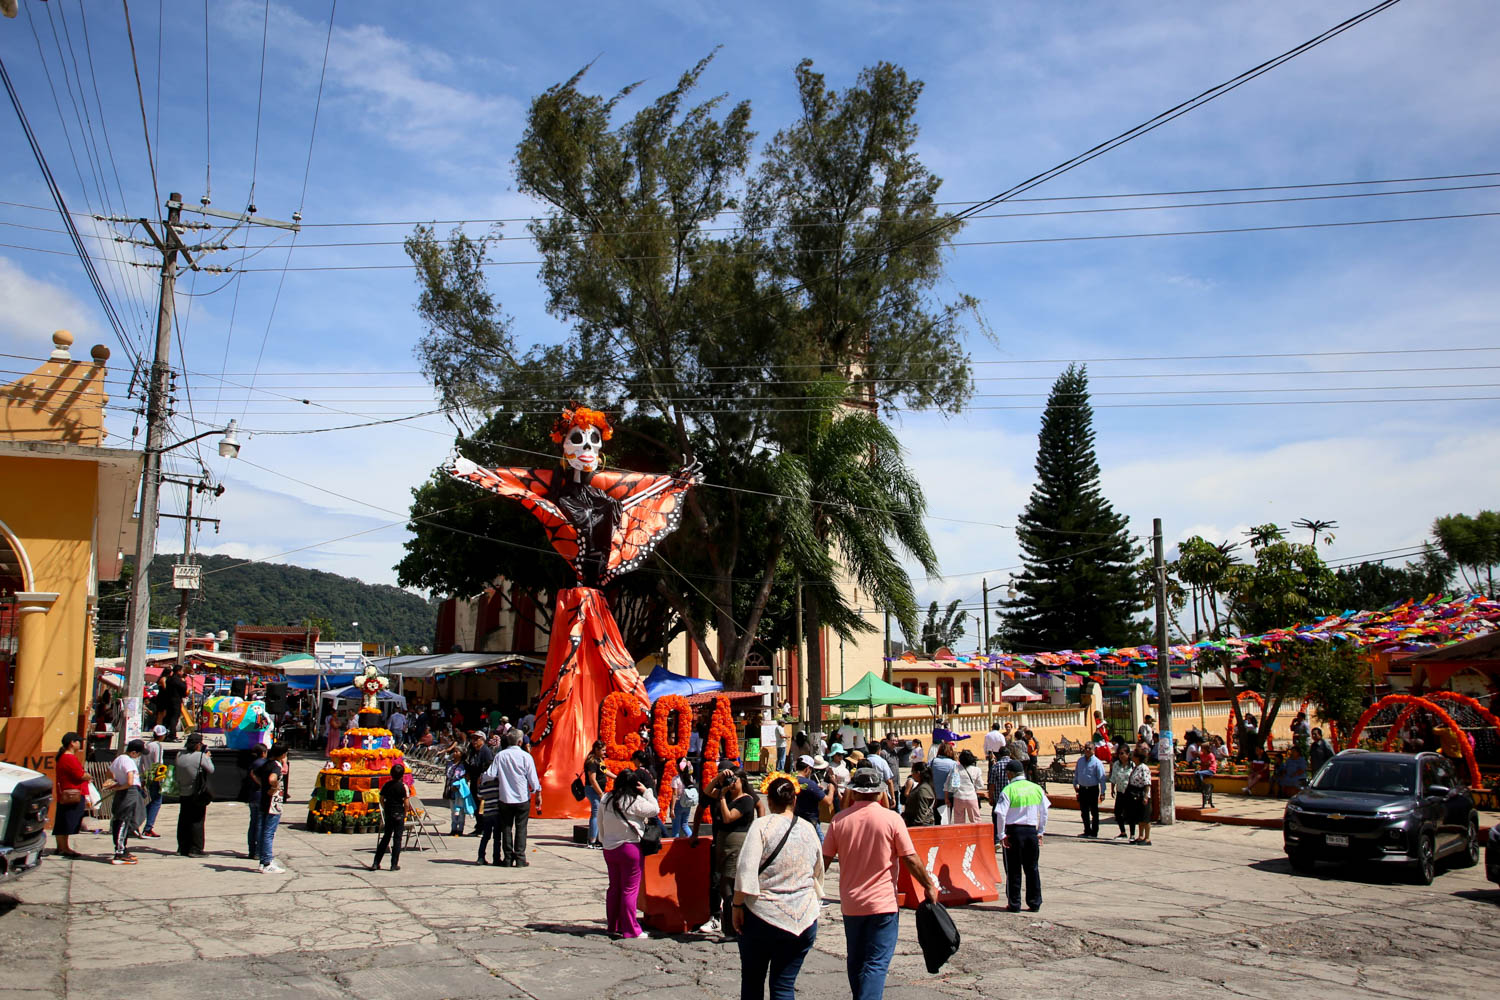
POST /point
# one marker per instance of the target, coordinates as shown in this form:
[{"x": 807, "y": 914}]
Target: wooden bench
[{"x": 1061, "y": 748}]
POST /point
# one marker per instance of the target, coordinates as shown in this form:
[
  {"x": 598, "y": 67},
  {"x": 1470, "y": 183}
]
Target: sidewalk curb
[{"x": 1191, "y": 814}]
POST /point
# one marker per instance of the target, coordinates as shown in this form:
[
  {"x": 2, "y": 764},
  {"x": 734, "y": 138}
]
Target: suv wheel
[
  {"x": 1302, "y": 862},
  {"x": 1469, "y": 856},
  {"x": 1424, "y": 868}
]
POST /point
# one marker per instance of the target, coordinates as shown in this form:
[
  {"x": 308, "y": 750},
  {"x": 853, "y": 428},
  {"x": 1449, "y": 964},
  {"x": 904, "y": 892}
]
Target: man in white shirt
[
  {"x": 850, "y": 737},
  {"x": 398, "y": 726},
  {"x": 994, "y": 742},
  {"x": 129, "y": 803},
  {"x": 515, "y": 772}
]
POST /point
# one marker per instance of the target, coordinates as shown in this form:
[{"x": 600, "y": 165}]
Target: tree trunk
[{"x": 813, "y": 639}]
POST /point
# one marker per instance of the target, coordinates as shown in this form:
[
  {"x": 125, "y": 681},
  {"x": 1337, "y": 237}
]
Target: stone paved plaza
[{"x": 1208, "y": 909}]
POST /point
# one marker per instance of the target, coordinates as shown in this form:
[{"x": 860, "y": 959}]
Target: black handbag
[
  {"x": 651, "y": 836},
  {"x": 579, "y": 792}
]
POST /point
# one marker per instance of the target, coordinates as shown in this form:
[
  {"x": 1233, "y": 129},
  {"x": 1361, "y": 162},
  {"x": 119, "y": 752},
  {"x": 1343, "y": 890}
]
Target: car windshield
[{"x": 1356, "y": 774}]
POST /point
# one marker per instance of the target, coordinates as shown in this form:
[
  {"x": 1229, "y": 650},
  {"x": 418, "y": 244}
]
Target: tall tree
[
  {"x": 1373, "y": 585},
  {"x": 1286, "y": 584},
  {"x": 701, "y": 335},
  {"x": 1473, "y": 544},
  {"x": 1078, "y": 588},
  {"x": 854, "y": 507}
]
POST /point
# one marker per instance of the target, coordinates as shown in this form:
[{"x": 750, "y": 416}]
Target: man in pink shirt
[{"x": 867, "y": 840}]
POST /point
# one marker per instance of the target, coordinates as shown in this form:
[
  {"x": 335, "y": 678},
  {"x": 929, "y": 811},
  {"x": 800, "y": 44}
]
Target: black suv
[{"x": 1387, "y": 807}]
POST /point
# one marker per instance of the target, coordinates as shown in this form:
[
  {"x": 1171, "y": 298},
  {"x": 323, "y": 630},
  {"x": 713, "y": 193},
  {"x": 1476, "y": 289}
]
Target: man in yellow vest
[{"x": 1023, "y": 806}]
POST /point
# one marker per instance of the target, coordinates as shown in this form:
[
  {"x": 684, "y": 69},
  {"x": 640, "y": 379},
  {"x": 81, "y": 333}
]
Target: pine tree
[{"x": 1077, "y": 591}]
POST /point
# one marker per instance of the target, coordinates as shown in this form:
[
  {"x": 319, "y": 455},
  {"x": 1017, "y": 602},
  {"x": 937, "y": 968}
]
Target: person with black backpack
[{"x": 194, "y": 771}]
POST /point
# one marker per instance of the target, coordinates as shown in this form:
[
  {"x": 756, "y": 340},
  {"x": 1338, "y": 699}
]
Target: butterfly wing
[
  {"x": 650, "y": 509},
  {"x": 528, "y": 487}
]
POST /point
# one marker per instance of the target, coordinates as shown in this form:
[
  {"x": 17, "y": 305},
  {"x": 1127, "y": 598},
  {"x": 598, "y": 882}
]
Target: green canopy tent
[{"x": 870, "y": 690}]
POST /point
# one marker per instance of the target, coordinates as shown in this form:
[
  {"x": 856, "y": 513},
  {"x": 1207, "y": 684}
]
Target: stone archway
[{"x": 15, "y": 580}]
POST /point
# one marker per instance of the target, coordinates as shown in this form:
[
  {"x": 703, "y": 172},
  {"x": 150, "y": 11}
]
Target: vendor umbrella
[
  {"x": 870, "y": 690},
  {"x": 1019, "y": 692}
]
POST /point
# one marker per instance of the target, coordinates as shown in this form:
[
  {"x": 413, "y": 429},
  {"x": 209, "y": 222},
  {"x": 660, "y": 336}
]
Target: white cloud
[
  {"x": 33, "y": 308},
  {"x": 399, "y": 90}
]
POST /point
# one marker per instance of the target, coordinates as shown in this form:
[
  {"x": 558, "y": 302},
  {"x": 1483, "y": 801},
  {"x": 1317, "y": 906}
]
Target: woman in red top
[{"x": 72, "y": 782}]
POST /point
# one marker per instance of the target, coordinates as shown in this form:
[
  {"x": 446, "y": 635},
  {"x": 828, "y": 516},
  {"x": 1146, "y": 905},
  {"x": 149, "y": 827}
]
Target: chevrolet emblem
[{"x": 1335, "y": 815}]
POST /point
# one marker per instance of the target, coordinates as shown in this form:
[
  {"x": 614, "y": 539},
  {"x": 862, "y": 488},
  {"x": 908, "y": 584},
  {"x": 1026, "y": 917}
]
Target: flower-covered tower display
[
  {"x": 605, "y": 523},
  {"x": 347, "y": 796}
]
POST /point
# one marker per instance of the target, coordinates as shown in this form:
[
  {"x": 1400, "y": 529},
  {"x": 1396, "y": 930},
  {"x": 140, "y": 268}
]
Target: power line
[
  {"x": 208, "y": 134},
  {"x": 317, "y": 106},
  {"x": 62, "y": 208},
  {"x": 259, "y": 97},
  {"x": 141, "y": 98},
  {"x": 1129, "y": 135},
  {"x": 949, "y": 244},
  {"x": 964, "y": 201},
  {"x": 998, "y": 215}
]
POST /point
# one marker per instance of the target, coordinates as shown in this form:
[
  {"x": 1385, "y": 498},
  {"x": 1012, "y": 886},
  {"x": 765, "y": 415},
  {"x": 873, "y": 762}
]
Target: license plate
[{"x": 1337, "y": 840}]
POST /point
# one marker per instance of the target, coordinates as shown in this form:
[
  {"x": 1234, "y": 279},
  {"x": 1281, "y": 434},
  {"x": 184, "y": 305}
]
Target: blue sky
[{"x": 421, "y": 110}]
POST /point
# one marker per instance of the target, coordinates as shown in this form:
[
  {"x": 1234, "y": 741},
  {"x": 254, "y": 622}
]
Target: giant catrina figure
[{"x": 605, "y": 524}]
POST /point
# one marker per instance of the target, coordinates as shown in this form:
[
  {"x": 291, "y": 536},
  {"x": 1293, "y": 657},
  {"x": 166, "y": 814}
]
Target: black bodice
[{"x": 593, "y": 514}]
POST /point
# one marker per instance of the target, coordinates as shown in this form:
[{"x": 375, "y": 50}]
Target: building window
[
  {"x": 909, "y": 685},
  {"x": 964, "y": 693},
  {"x": 924, "y": 689}
]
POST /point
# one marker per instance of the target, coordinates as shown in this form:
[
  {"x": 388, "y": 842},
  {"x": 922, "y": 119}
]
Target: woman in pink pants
[{"x": 623, "y": 815}]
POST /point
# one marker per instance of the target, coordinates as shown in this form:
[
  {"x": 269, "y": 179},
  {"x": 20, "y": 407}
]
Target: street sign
[{"x": 187, "y": 576}]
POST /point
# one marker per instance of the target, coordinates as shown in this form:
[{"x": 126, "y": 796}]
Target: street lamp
[{"x": 140, "y": 587}]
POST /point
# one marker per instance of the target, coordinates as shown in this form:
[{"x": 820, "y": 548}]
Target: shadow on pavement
[
  {"x": 1478, "y": 895},
  {"x": 575, "y": 930}
]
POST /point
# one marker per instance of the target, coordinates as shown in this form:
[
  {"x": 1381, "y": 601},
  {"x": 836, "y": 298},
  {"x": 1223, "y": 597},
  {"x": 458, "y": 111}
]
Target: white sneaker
[
  {"x": 712, "y": 927},
  {"x": 272, "y": 869},
  {"x": 642, "y": 936}
]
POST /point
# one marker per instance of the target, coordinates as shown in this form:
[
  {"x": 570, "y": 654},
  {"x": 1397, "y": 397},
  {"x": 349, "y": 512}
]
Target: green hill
[{"x": 260, "y": 593}]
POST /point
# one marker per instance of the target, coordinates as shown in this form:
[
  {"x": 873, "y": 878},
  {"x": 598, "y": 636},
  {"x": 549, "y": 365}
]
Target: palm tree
[
  {"x": 1317, "y": 528},
  {"x": 1265, "y": 534},
  {"x": 940, "y": 629},
  {"x": 854, "y": 508}
]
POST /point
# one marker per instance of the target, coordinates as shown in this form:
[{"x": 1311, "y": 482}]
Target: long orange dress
[{"x": 604, "y": 524}]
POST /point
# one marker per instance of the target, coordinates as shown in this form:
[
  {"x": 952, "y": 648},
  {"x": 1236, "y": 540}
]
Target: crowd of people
[{"x": 135, "y": 785}]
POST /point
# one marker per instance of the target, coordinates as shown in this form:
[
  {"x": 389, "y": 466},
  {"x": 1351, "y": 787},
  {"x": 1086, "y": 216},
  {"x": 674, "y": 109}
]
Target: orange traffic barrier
[
  {"x": 674, "y": 886},
  {"x": 962, "y": 860}
]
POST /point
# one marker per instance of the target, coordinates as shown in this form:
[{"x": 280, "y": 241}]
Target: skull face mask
[{"x": 581, "y": 448}]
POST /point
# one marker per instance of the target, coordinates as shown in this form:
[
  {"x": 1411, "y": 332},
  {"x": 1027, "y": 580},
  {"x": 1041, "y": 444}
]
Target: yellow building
[{"x": 66, "y": 522}]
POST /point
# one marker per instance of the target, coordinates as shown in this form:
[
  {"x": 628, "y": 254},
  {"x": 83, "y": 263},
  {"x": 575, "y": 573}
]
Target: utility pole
[
  {"x": 1167, "y": 765},
  {"x": 797, "y": 652},
  {"x": 156, "y": 431},
  {"x": 190, "y": 583},
  {"x": 169, "y": 244},
  {"x": 984, "y": 586},
  {"x": 886, "y": 655}
]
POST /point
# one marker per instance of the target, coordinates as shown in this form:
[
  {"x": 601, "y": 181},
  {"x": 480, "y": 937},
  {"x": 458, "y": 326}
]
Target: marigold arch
[{"x": 1410, "y": 704}]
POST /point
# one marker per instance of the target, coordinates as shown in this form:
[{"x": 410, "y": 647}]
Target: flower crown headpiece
[{"x": 580, "y": 416}]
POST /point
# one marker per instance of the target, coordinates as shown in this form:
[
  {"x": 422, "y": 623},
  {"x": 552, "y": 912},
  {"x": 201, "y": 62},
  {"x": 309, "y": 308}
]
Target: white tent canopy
[
  {"x": 1020, "y": 692},
  {"x": 443, "y": 664}
]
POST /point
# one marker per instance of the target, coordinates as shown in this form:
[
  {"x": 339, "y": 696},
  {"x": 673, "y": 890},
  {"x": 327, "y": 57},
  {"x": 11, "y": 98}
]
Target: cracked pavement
[{"x": 1209, "y": 908}]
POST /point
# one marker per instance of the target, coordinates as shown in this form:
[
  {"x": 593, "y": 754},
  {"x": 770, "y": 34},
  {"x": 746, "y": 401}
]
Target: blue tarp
[
  {"x": 663, "y": 682},
  {"x": 310, "y": 682}
]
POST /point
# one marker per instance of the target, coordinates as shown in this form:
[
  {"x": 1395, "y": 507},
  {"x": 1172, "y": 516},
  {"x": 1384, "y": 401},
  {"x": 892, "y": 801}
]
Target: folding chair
[{"x": 420, "y": 824}]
